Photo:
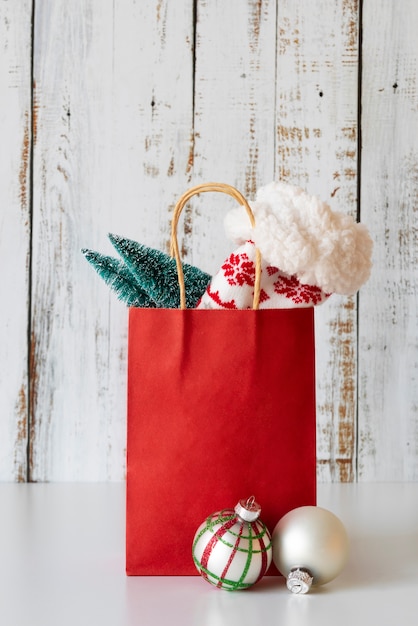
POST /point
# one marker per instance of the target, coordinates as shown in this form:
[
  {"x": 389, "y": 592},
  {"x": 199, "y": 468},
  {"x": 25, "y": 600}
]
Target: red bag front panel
[{"x": 221, "y": 406}]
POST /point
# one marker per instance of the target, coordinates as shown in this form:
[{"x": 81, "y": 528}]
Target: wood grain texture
[
  {"x": 317, "y": 73},
  {"x": 132, "y": 103},
  {"x": 388, "y": 315},
  {"x": 234, "y": 101},
  {"x": 114, "y": 100},
  {"x": 15, "y": 133}
]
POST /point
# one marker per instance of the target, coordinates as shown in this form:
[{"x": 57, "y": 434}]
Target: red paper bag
[{"x": 221, "y": 406}]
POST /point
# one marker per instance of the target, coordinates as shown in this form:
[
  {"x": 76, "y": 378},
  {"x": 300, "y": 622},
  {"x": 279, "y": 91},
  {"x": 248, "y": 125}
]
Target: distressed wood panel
[
  {"x": 388, "y": 315},
  {"x": 317, "y": 74},
  {"x": 15, "y": 133},
  {"x": 135, "y": 101},
  {"x": 114, "y": 118},
  {"x": 234, "y": 114}
]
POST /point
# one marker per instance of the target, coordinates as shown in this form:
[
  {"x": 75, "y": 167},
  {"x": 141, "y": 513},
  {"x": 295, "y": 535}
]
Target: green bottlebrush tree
[
  {"x": 156, "y": 272},
  {"x": 146, "y": 277},
  {"x": 119, "y": 278}
]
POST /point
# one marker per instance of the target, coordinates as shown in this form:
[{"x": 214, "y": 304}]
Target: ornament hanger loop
[
  {"x": 248, "y": 510},
  {"x": 250, "y": 503}
]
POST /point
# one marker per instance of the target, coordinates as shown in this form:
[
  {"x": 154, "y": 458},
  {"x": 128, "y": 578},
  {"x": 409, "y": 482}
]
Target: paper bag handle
[{"x": 222, "y": 188}]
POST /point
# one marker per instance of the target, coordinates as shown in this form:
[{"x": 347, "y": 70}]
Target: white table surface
[{"x": 62, "y": 563}]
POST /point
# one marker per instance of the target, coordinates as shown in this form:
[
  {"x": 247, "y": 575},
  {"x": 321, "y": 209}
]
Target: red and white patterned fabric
[{"x": 233, "y": 286}]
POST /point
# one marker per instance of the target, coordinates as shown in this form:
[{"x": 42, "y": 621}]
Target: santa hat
[{"x": 304, "y": 238}]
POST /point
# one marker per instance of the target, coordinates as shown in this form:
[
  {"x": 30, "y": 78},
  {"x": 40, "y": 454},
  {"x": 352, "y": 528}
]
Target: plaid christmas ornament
[
  {"x": 232, "y": 548},
  {"x": 233, "y": 286}
]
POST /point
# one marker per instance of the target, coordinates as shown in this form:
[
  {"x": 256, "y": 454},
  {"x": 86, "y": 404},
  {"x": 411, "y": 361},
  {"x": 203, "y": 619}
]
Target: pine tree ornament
[{"x": 232, "y": 548}]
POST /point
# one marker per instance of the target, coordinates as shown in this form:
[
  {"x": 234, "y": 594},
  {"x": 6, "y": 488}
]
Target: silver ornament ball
[{"x": 310, "y": 546}]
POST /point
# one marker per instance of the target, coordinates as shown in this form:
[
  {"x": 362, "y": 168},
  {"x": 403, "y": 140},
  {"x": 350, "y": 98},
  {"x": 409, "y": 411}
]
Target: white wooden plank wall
[
  {"x": 388, "y": 314},
  {"x": 110, "y": 109},
  {"x": 15, "y": 150},
  {"x": 316, "y": 129},
  {"x": 114, "y": 108}
]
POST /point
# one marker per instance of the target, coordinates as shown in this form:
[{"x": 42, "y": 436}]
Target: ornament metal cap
[
  {"x": 248, "y": 510},
  {"x": 299, "y": 581}
]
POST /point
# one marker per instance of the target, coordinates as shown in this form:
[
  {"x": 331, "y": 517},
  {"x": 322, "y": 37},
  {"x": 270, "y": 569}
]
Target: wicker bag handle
[{"x": 222, "y": 188}]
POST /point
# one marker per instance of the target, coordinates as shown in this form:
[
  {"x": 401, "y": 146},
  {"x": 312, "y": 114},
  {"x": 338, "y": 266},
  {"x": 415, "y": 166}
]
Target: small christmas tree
[{"x": 146, "y": 277}]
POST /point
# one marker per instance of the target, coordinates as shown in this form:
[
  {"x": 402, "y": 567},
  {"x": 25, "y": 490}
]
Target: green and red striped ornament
[{"x": 232, "y": 548}]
